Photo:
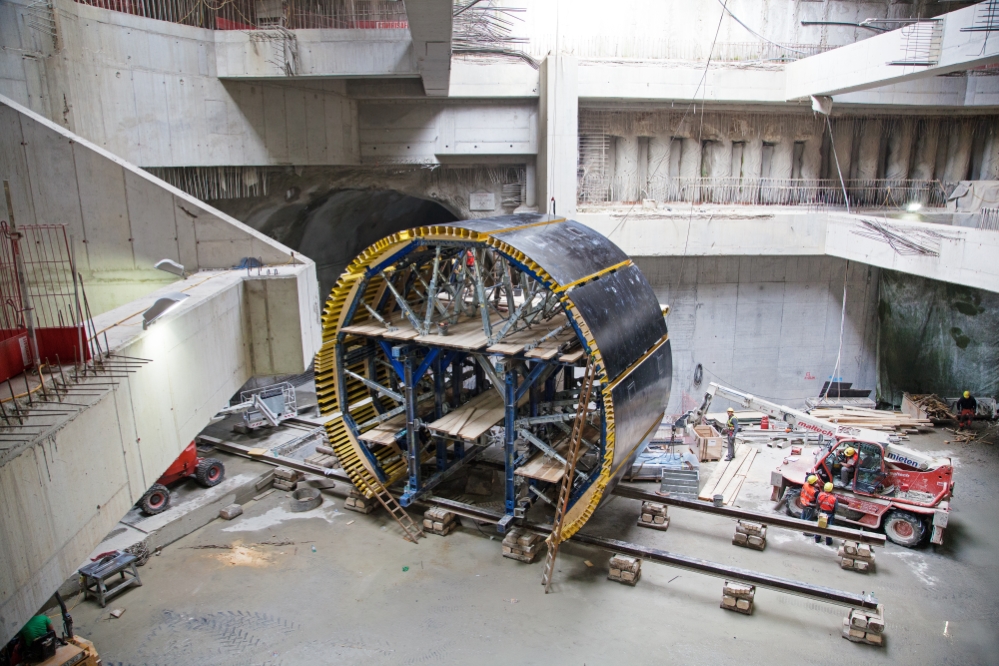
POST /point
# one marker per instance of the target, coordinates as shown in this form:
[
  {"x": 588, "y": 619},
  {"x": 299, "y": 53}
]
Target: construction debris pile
[{"x": 927, "y": 406}]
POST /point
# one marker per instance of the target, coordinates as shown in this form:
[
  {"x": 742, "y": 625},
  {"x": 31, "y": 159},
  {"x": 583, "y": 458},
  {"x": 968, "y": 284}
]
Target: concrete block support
[{"x": 558, "y": 129}]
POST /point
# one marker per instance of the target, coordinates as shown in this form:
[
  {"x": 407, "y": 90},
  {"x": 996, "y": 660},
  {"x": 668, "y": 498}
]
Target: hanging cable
[{"x": 737, "y": 20}]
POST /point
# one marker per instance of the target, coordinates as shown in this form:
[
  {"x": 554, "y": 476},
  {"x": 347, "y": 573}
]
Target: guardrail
[
  {"x": 266, "y": 14},
  {"x": 874, "y": 193}
]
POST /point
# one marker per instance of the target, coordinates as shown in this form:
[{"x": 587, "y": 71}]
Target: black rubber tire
[
  {"x": 156, "y": 500},
  {"x": 210, "y": 472},
  {"x": 792, "y": 507},
  {"x": 904, "y": 528}
]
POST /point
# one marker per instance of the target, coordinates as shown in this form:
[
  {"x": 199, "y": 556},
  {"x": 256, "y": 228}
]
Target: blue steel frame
[{"x": 410, "y": 363}]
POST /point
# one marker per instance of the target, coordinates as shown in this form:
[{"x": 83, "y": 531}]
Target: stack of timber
[
  {"x": 359, "y": 503},
  {"x": 872, "y": 419},
  {"x": 855, "y": 556},
  {"x": 738, "y": 597},
  {"x": 749, "y": 534},
  {"x": 865, "y": 626},
  {"x": 727, "y": 479},
  {"x": 623, "y": 569},
  {"x": 519, "y": 544},
  {"x": 438, "y": 521},
  {"x": 286, "y": 479},
  {"x": 654, "y": 515},
  {"x": 324, "y": 457}
]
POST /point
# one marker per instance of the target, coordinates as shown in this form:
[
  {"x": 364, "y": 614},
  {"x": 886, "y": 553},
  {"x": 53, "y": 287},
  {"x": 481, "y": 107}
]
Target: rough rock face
[{"x": 331, "y": 229}]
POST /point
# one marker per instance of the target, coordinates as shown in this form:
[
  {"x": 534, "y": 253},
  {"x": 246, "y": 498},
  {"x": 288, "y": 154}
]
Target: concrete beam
[
  {"x": 959, "y": 255},
  {"x": 866, "y": 64},
  {"x": 430, "y": 24},
  {"x": 325, "y": 53},
  {"x": 122, "y": 219}
]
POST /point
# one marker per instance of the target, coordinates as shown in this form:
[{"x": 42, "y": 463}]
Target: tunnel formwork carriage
[{"x": 441, "y": 341}]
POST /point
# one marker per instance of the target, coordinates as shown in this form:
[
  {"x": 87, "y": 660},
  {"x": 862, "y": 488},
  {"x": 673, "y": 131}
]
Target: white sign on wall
[{"x": 482, "y": 201}]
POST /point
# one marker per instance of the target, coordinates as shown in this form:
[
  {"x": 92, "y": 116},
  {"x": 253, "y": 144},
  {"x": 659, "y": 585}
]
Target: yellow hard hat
[
  {"x": 828, "y": 487},
  {"x": 967, "y": 394},
  {"x": 850, "y": 450},
  {"x": 812, "y": 479},
  {"x": 730, "y": 410}
]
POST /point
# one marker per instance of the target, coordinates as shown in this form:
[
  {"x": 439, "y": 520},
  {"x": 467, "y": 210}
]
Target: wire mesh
[
  {"x": 48, "y": 272},
  {"x": 12, "y": 313}
]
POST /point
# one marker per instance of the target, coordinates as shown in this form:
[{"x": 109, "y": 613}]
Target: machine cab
[{"x": 867, "y": 476}]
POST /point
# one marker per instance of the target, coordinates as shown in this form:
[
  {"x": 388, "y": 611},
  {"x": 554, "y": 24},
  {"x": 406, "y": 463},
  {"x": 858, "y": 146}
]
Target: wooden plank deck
[
  {"x": 468, "y": 335},
  {"x": 543, "y": 468}
]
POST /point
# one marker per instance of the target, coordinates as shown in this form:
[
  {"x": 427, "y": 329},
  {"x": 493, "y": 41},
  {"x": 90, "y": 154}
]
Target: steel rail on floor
[
  {"x": 695, "y": 564},
  {"x": 770, "y": 519},
  {"x": 786, "y": 585}
]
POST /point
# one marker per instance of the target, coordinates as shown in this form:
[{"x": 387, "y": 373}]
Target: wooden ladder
[
  {"x": 365, "y": 481},
  {"x": 412, "y": 530},
  {"x": 575, "y": 445}
]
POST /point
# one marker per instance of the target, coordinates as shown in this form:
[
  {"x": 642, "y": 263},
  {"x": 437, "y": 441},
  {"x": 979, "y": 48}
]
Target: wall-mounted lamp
[
  {"x": 162, "y": 305},
  {"x": 914, "y": 206},
  {"x": 170, "y": 266}
]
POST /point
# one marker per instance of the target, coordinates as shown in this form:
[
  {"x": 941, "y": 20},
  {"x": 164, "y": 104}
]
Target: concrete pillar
[
  {"x": 869, "y": 150},
  {"x": 752, "y": 159},
  {"x": 625, "y": 183},
  {"x": 690, "y": 160},
  {"x": 958, "y": 152},
  {"x": 843, "y": 144},
  {"x": 990, "y": 161},
  {"x": 658, "y": 169},
  {"x": 899, "y": 151},
  {"x": 811, "y": 159},
  {"x": 924, "y": 162},
  {"x": 531, "y": 184},
  {"x": 718, "y": 159},
  {"x": 558, "y": 129},
  {"x": 783, "y": 158}
]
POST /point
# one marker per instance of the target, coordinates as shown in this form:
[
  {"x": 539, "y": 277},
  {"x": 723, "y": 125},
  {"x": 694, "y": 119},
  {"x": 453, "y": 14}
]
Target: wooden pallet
[{"x": 728, "y": 478}]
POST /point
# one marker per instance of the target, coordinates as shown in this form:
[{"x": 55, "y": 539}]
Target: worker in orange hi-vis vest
[{"x": 827, "y": 507}]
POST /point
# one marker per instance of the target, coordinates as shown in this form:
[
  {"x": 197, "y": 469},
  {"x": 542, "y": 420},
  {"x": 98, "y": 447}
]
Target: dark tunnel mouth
[{"x": 334, "y": 227}]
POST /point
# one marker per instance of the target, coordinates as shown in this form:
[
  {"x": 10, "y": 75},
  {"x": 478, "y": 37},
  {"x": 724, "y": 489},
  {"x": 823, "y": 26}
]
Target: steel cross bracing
[{"x": 405, "y": 365}]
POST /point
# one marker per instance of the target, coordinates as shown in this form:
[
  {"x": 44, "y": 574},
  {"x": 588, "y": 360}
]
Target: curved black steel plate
[
  {"x": 488, "y": 224},
  {"x": 640, "y": 400},
  {"x": 623, "y": 315},
  {"x": 567, "y": 250}
]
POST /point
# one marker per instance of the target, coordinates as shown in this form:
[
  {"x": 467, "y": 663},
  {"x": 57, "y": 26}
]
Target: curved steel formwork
[{"x": 438, "y": 339}]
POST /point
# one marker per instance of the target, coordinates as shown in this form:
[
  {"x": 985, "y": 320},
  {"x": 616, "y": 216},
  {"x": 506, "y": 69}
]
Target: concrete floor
[{"x": 339, "y": 592}]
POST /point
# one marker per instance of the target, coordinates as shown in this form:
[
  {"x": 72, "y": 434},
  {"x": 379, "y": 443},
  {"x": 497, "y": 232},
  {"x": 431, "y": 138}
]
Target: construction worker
[
  {"x": 809, "y": 496},
  {"x": 848, "y": 463},
  {"x": 966, "y": 408},
  {"x": 731, "y": 428},
  {"x": 826, "y": 502}
]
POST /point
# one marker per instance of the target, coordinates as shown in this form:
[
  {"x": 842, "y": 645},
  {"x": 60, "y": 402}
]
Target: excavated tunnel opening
[{"x": 333, "y": 228}]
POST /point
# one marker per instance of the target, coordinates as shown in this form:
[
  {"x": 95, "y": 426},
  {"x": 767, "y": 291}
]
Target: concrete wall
[
  {"x": 121, "y": 219},
  {"x": 766, "y": 325},
  {"x": 149, "y": 92},
  {"x": 62, "y": 493}
]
